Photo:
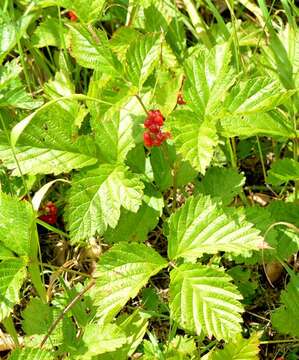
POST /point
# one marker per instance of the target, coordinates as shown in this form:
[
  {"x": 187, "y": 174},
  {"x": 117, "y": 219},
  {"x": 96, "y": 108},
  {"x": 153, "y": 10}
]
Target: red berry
[
  {"x": 147, "y": 139},
  {"x": 180, "y": 99},
  {"x": 156, "y": 117},
  {"x": 49, "y": 213},
  {"x": 72, "y": 16}
]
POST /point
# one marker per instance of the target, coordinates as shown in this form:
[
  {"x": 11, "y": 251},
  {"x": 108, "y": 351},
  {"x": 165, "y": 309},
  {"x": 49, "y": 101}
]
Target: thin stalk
[
  {"x": 141, "y": 103},
  {"x": 279, "y": 341},
  {"x": 262, "y": 159},
  {"x": 52, "y": 228},
  {"x": 65, "y": 310}
]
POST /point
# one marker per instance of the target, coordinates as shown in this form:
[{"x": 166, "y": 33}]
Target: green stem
[
  {"x": 141, "y": 103},
  {"x": 262, "y": 159},
  {"x": 52, "y": 228}
]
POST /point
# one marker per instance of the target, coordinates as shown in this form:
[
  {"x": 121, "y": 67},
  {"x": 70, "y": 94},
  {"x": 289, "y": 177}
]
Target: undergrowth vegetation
[{"x": 149, "y": 180}]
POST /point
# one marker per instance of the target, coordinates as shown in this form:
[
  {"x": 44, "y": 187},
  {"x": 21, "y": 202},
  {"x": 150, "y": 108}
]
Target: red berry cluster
[
  {"x": 49, "y": 213},
  {"x": 154, "y": 136},
  {"x": 72, "y": 16}
]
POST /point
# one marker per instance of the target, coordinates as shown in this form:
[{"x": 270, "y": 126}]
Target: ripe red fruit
[
  {"x": 49, "y": 213},
  {"x": 72, "y": 16},
  {"x": 147, "y": 139},
  {"x": 180, "y": 99}
]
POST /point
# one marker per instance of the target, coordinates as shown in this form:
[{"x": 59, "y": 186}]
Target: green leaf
[
  {"x": 202, "y": 226},
  {"x": 121, "y": 273},
  {"x": 31, "y": 354},
  {"x": 40, "y": 324},
  {"x": 12, "y": 90},
  {"x": 12, "y": 274},
  {"x": 181, "y": 348},
  {"x": 11, "y": 31},
  {"x": 195, "y": 140},
  {"x": 49, "y": 33},
  {"x": 47, "y": 145},
  {"x": 255, "y": 95},
  {"x": 142, "y": 57},
  {"x": 203, "y": 300},
  {"x": 17, "y": 219},
  {"x": 240, "y": 349},
  {"x": 88, "y": 11},
  {"x": 121, "y": 40},
  {"x": 223, "y": 183},
  {"x": 96, "y": 197},
  {"x": 272, "y": 123},
  {"x": 90, "y": 48},
  {"x": 136, "y": 226},
  {"x": 208, "y": 79},
  {"x": 286, "y": 318},
  {"x": 282, "y": 171},
  {"x": 98, "y": 339},
  {"x": 134, "y": 326},
  {"x": 114, "y": 136}
]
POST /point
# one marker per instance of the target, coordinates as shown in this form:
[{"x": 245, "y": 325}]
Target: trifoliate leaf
[
  {"x": 202, "y": 226},
  {"x": 203, "y": 300},
  {"x": 96, "y": 198},
  {"x": 286, "y": 318},
  {"x": 121, "y": 273}
]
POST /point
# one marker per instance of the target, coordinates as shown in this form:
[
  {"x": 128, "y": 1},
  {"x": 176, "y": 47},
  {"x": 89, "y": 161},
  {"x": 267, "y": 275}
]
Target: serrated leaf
[
  {"x": 30, "y": 354},
  {"x": 255, "y": 95},
  {"x": 121, "y": 273},
  {"x": 98, "y": 339},
  {"x": 282, "y": 171},
  {"x": 194, "y": 139},
  {"x": 96, "y": 197},
  {"x": 16, "y": 224},
  {"x": 272, "y": 123},
  {"x": 134, "y": 326},
  {"x": 46, "y": 145},
  {"x": 90, "y": 48},
  {"x": 50, "y": 32},
  {"x": 12, "y": 274},
  {"x": 286, "y": 318},
  {"x": 203, "y": 300},
  {"x": 202, "y": 226},
  {"x": 223, "y": 183},
  {"x": 241, "y": 349},
  {"x": 135, "y": 226},
  {"x": 88, "y": 11},
  {"x": 40, "y": 324},
  {"x": 12, "y": 90},
  {"x": 114, "y": 136},
  {"x": 121, "y": 40},
  {"x": 208, "y": 78},
  {"x": 142, "y": 57}
]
